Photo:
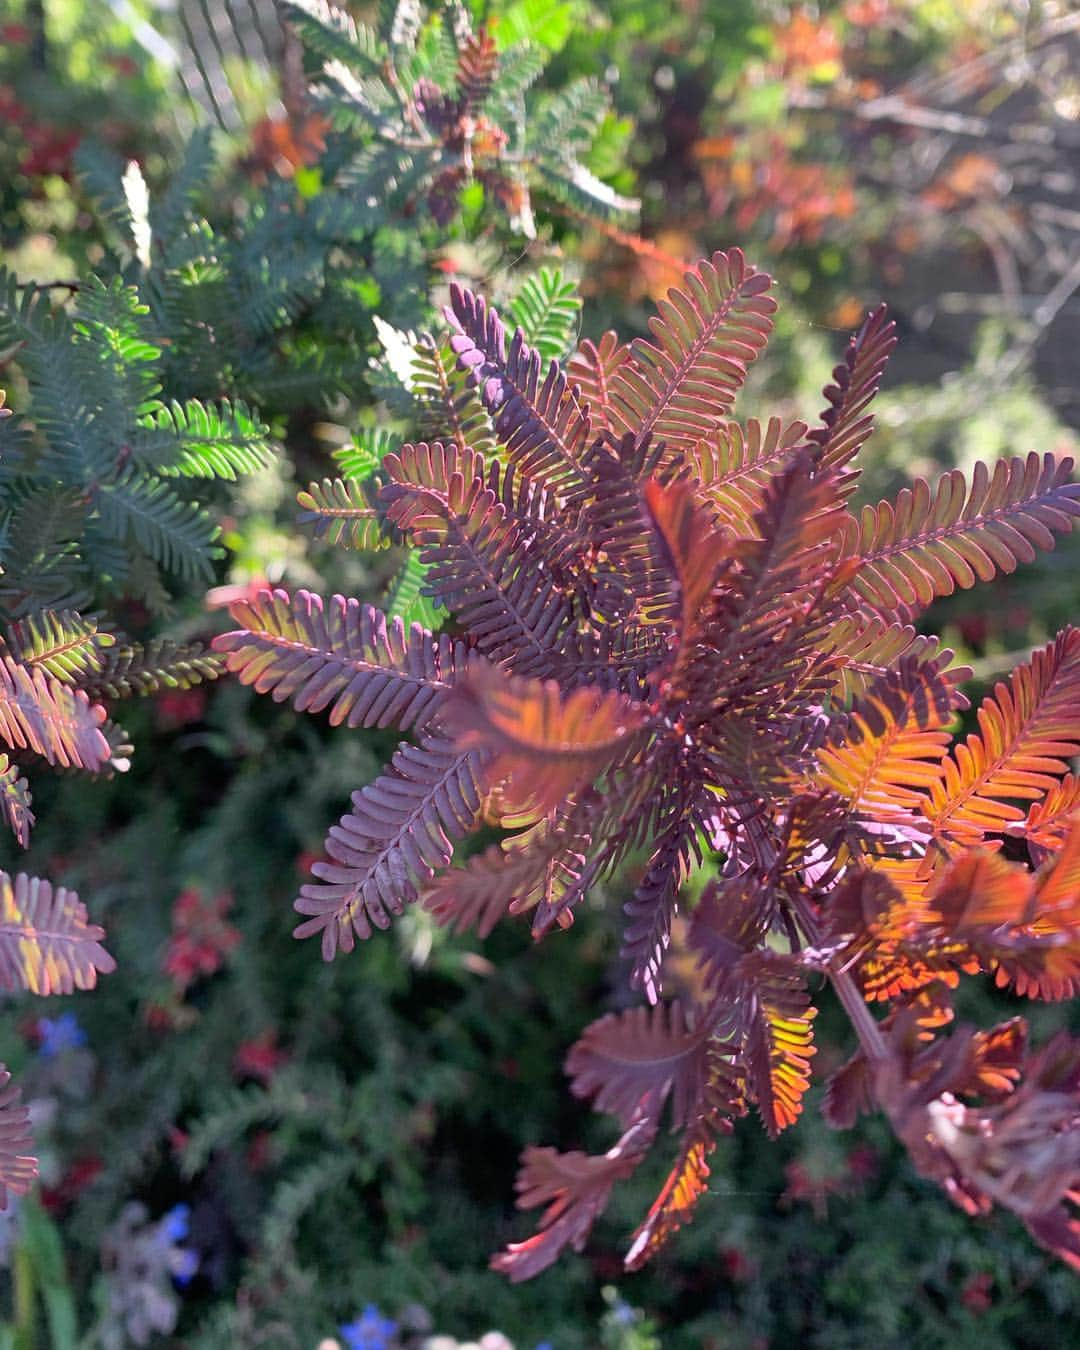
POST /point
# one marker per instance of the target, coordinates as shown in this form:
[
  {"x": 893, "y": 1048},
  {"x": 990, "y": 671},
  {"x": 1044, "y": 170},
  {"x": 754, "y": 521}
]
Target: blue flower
[
  {"x": 545, "y": 1345},
  {"x": 176, "y": 1225},
  {"x": 370, "y": 1331},
  {"x": 624, "y": 1315},
  {"x": 59, "y": 1034},
  {"x": 184, "y": 1265}
]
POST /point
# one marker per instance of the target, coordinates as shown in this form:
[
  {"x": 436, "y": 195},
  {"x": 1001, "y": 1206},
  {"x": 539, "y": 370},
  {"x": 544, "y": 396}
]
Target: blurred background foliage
[{"x": 243, "y": 1147}]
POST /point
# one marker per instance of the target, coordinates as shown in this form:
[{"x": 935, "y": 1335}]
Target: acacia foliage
[{"x": 675, "y": 640}]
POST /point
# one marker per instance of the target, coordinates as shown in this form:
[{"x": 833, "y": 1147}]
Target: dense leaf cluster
[{"x": 673, "y": 637}]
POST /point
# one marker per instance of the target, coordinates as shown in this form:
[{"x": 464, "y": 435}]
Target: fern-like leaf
[
  {"x": 931, "y": 542},
  {"x": 629, "y": 1063},
  {"x": 693, "y": 553},
  {"x": 1048, "y": 819},
  {"x": 40, "y": 714},
  {"x": 679, "y": 388},
  {"x": 845, "y": 424},
  {"x": 203, "y": 440},
  {"x": 477, "y": 65},
  {"x": 546, "y": 308},
  {"x": 592, "y": 368},
  {"x": 510, "y": 878},
  {"x": 47, "y": 945},
  {"x": 885, "y": 755},
  {"x": 399, "y": 831},
  {"x": 544, "y": 426},
  {"x": 341, "y": 655},
  {"x": 18, "y": 1171},
  {"x": 450, "y": 408},
  {"x": 869, "y": 647},
  {"x": 132, "y": 668},
  {"x": 481, "y": 558},
  {"x": 15, "y": 801},
  {"x": 173, "y": 532},
  {"x": 545, "y": 743},
  {"x": 342, "y": 513},
  {"x": 64, "y": 644},
  {"x": 686, "y": 1184},
  {"x": 736, "y": 464},
  {"x": 1028, "y": 729},
  {"x": 575, "y": 1188},
  {"x": 335, "y": 35},
  {"x": 779, "y": 1037}
]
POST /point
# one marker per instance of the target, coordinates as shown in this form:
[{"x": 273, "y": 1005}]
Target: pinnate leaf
[
  {"x": 630, "y": 1062},
  {"x": 544, "y": 742},
  {"x": 779, "y": 1037},
  {"x": 929, "y": 543},
  {"x": 575, "y": 1188},
  {"x": 47, "y": 945},
  {"x": 18, "y": 1170},
  {"x": 40, "y": 714},
  {"x": 15, "y": 801},
  {"x": 1029, "y": 728},
  {"x": 679, "y": 387},
  {"x": 341, "y": 655}
]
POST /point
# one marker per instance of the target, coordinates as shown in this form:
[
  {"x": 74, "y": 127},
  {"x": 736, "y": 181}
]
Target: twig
[
  {"x": 866, "y": 1027},
  {"x": 73, "y": 286}
]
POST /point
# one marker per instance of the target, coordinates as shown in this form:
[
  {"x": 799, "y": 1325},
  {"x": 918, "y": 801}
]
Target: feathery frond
[
  {"x": 47, "y": 944},
  {"x": 932, "y": 542},
  {"x": 341, "y": 655},
  {"x": 18, "y": 1171}
]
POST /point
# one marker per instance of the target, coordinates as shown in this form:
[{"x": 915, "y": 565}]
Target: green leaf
[
  {"x": 364, "y": 456},
  {"x": 547, "y": 309},
  {"x": 543, "y": 23},
  {"x": 201, "y": 440},
  {"x": 175, "y": 533},
  {"x": 406, "y": 600},
  {"x": 41, "y": 1239}
]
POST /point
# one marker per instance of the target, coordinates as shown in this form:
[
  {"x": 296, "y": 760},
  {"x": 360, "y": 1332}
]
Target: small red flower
[
  {"x": 49, "y": 151},
  {"x": 178, "y": 707},
  {"x": 260, "y": 1057},
  {"x": 78, "y": 1176},
  {"x": 201, "y": 938},
  {"x": 737, "y": 1265},
  {"x": 976, "y": 1295},
  {"x": 123, "y": 64}
]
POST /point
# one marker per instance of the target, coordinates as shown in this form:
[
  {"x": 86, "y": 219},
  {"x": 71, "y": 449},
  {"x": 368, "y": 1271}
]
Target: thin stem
[
  {"x": 72, "y": 286},
  {"x": 847, "y": 991}
]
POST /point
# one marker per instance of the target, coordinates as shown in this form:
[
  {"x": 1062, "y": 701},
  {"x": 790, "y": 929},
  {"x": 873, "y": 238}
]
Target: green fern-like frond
[
  {"x": 175, "y": 533},
  {"x": 336, "y": 36},
  {"x": 364, "y": 455},
  {"x": 134, "y": 668},
  {"x": 171, "y": 211},
  {"x": 547, "y": 309},
  {"x": 201, "y": 440},
  {"x": 406, "y": 599},
  {"x": 63, "y": 643},
  {"x": 342, "y": 513}
]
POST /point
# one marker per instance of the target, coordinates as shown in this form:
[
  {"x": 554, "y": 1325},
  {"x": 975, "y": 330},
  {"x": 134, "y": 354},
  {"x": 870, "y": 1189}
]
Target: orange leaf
[{"x": 544, "y": 742}]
